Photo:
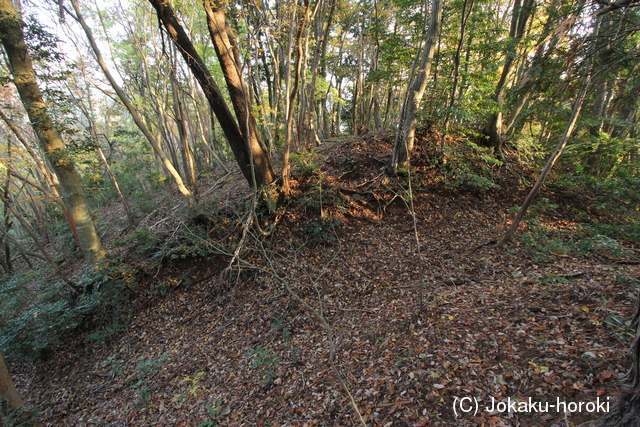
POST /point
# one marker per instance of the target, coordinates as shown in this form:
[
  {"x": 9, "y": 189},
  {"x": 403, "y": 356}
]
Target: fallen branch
[
  {"x": 319, "y": 315},
  {"x": 236, "y": 253}
]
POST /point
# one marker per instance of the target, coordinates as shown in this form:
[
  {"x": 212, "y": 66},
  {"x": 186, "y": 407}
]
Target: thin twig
[
  {"x": 236, "y": 253},
  {"x": 320, "y": 317}
]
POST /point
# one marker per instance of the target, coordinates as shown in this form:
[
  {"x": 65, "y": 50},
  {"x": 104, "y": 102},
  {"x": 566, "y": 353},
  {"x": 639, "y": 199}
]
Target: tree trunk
[
  {"x": 252, "y": 158},
  {"x": 188, "y": 163},
  {"x": 226, "y": 48},
  {"x": 493, "y": 128},
  {"x": 24, "y": 78},
  {"x": 132, "y": 110},
  {"x": 9, "y": 398},
  {"x": 405, "y": 136},
  {"x": 466, "y": 12},
  {"x": 125, "y": 204},
  {"x": 552, "y": 160},
  {"x": 292, "y": 99}
]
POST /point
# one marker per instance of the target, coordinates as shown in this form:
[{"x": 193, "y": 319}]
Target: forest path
[{"x": 413, "y": 329}]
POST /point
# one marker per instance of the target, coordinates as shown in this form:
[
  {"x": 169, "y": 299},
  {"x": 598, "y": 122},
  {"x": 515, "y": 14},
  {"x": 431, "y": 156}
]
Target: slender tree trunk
[
  {"x": 552, "y": 160},
  {"x": 125, "y": 204},
  {"x": 226, "y": 47},
  {"x": 493, "y": 128},
  {"x": 292, "y": 99},
  {"x": 188, "y": 163},
  {"x": 129, "y": 105},
  {"x": 47, "y": 175},
  {"x": 467, "y": 7},
  {"x": 49, "y": 138},
  {"x": 253, "y": 160},
  {"x": 6, "y": 223},
  {"x": 405, "y": 136},
  {"x": 40, "y": 246},
  {"x": 319, "y": 55},
  {"x": 356, "y": 119}
]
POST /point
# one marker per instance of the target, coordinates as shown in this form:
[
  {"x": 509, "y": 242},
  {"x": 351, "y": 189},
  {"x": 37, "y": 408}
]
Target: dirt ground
[{"x": 427, "y": 324}]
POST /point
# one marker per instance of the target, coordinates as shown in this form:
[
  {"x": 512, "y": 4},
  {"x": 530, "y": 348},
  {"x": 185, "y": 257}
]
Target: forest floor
[{"x": 418, "y": 317}]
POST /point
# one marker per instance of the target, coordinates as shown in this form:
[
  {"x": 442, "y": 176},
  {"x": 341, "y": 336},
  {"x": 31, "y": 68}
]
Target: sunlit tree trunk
[
  {"x": 554, "y": 33},
  {"x": 225, "y": 44},
  {"x": 188, "y": 163},
  {"x": 292, "y": 98},
  {"x": 130, "y": 107},
  {"x": 49, "y": 138},
  {"x": 467, "y": 7},
  {"x": 522, "y": 11},
  {"x": 405, "y": 136},
  {"x": 251, "y": 156},
  {"x": 323, "y": 32}
]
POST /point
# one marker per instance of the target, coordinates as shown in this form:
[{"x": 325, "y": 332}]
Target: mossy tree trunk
[{"x": 24, "y": 78}]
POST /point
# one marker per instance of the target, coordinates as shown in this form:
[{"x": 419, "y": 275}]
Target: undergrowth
[
  {"x": 467, "y": 165},
  {"x": 39, "y": 312}
]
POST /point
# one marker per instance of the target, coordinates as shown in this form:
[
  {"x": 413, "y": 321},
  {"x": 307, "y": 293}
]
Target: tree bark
[
  {"x": 25, "y": 80},
  {"x": 252, "y": 158},
  {"x": 493, "y": 128},
  {"x": 226, "y": 47},
  {"x": 292, "y": 98},
  {"x": 129, "y": 105},
  {"x": 405, "y": 136},
  {"x": 188, "y": 163},
  {"x": 552, "y": 160},
  {"x": 8, "y": 395},
  {"x": 466, "y": 12}
]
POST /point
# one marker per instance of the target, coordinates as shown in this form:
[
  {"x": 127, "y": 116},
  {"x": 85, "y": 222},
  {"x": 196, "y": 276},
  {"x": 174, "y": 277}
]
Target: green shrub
[
  {"x": 39, "y": 312},
  {"x": 603, "y": 245},
  {"x": 306, "y": 163},
  {"x": 36, "y": 311},
  {"x": 145, "y": 242},
  {"x": 265, "y": 361},
  {"x": 468, "y": 165},
  {"x": 322, "y": 230}
]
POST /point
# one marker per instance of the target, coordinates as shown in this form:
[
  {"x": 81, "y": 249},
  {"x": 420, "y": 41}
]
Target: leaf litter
[{"x": 415, "y": 327}]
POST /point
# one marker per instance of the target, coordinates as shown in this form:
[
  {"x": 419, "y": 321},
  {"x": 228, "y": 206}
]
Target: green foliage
[
  {"x": 617, "y": 195},
  {"x": 195, "y": 383},
  {"x": 109, "y": 289},
  {"x": 541, "y": 246},
  {"x": 604, "y": 245},
  {"x": 265, "y": 362},
  {"x": 468, "y": 165},
  {"x": 37, "y": 311},
  {"x": 605, "y": 156},
  {"x": 531, "y": 216},
  {"x": 214, "y": 413},
  {"x": 145, "y": 242},
  {"x": 146, "y": 368},
  {"x": 113, "y": 364},
  {"x": 544, "y": 244},
  {"x": 322, "y": 230},
  {"x": 17, "y": 417},
  {"x": 306, "y": 163},
  {"x": 279, "y": 323},
  {"x": 541, "y": 243}
]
